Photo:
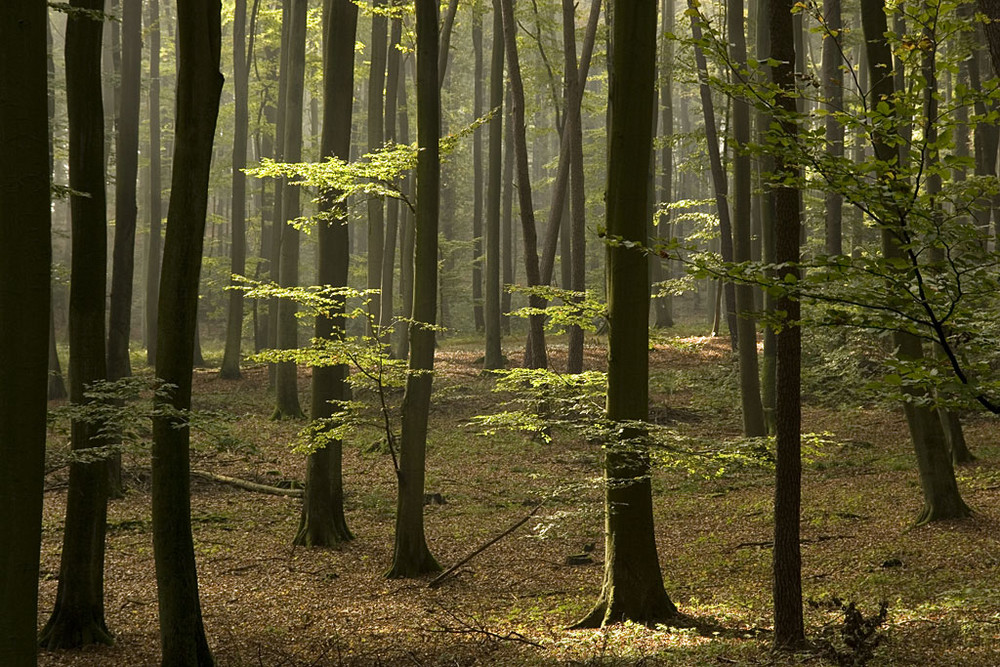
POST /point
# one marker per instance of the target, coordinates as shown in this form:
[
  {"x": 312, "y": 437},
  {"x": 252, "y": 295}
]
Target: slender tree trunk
[
  {"x": 287, "y": 385},
  {"x": 445, "y": 41},
  {"x": 155, "y": 188},
  {"x": 536, "y": 355},
  {"x": 25, "y": 287},
  {"x": 477, "y": 171},
  {"x": 279, "y": 217},
  {"x": 199, "y": 85},
  {"x": 376, "y": 121},
  {"x": 392, "y": 205},
  {"x": 719, "y": 179},
  {"x": 241, "y": 74},
  {"x": 765, "y": 165},
  {"x": 633, "y": 584},
  {"x": 407, "y": 231},
  {"x": 323, "y": 522},
  {"x": 507, "y": 208},
  {"x": 664, "y": 307},
  {"x": 78, "y": 617},
  {"x": 833, "y": 92},
  {"x": 787, "y": 559},
  {"x": 411, "y": 557},
  {"x": 492, "y": 317}
]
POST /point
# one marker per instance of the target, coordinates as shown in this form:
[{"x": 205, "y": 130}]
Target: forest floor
[{"x": 267, "y": 603}]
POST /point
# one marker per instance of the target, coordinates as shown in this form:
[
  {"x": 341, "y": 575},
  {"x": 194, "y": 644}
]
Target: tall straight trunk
[
  {"x": 765, "y": 202},
  {"x": 445, "y": 41},
  {"x": 323, "y": 522},
  {"x": 833, "y": 93},
  {"x": 278, "y": 217},
  {"x": 199, "y": 86},
  {"x": 286, "y": 381},
  {"x": 746, "y": 326},
  {"x": 492, "y": 316},
  {"x": 507, "y": 207},
  {"x": 411, "y": 557},
  {"x": 719, "y": 178},
  {"x": 56, "y": 384},
  {"x": 78, "y": 617},
  {"x": 407, "y": 230},
  {"x": 664, "y": 307},
  {"x": 573, "y": 127},
  {"x": 477, "y": 171},
  {"x": 633, "y": 584},
  {"x": 25, "y": 286},
  {"x": 787, "y": 559},
  {"x": 155, "y": 188},
  {"x": 937, "y": 476},
  {"x": 392, "y": 205},
  {"x": 376, "y": 121},
  {"x": 241, "y": 77},
  {"x": 535, "y": 354}
]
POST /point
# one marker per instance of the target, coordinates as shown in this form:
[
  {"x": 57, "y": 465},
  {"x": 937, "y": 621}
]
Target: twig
[
  {"x": 438, "y": 580},
  {"x": 247, "y": 486}
]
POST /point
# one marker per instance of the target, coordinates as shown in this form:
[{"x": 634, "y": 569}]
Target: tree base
[
  {"x": 279, "y": 414},
  {"x": 230, "y": 373},
  {"x": 647, "y": 612},
  {"x": 321, "y": 534},
  {"x": 70, "y": 630},
  {"x": 956, "y": 509},
  {"x": 412, "y": 567}
]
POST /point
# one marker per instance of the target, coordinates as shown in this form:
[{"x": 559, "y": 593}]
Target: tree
[
  {"x": 411, "y": 557},
  {"x": 199, "y": 86},
  {"x": 155, "y": 195},
  {"x": 78, "y": 616},
  {"x": 787, "y": 559},
  {"x": 493, "y": 358},
  {"x": 286, "y": 381},
  {"x": 25, "y": 227},
  {"x": 241, "y": 75},
  {"x": 323, "y": 522},
  {"x": 477, "y": 169},
  {"x": 633, "y": 585},
  {"x": 833, "y": 93},
  {"x": 376, "y": 123}
]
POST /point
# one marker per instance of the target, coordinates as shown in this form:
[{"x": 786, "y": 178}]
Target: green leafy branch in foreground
[{"x": 579, "y": 309}]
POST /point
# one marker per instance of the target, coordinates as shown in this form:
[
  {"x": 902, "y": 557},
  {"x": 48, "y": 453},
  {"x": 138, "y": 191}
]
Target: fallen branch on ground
[{"x": 247, "y": 486}]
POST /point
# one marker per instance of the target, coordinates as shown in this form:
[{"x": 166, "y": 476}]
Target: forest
[{"x": 461, "y": 332}]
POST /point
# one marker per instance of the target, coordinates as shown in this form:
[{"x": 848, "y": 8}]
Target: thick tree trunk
[
  {"x": 286, "y": 381},
  {"x": 241, "y": 75},
  {"x": 492, "y": 319},
  {"x": 535, "y": 354},
  {"x": 633, "y": 584},
  {"x": 25, "y": 240},
  {"x": 323, "y": 522},
  {"x": 411, "y": 557},
  {"x": 787, "y": 559},
  {"x": 155, "y": 189},
  {"x": 78, "y": 617},
  {"x": 199, "y": 85}
]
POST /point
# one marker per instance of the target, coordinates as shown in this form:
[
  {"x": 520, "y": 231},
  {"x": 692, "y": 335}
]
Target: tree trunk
[
  {"x": 445, "y": 50},
  {"x": 664, "y": 308},
  {"x": 392, "y": 205},
  {"x": 199, "y": 85},
  {"x": 279, "y": 219},
  {"x": 477, "y": 172},
  {"x": 765, "y": 202},
  {"x": 719, "y": 178},
  {"x": 241, "y": 75},
  {"x": 833, "y": 92},
  {"x": 25, "y": 276},
  {"x": 937, "y": 476},
  {"x": 287, "y": 385},
  {"x": 376, "y": 120},
  {"x": 155, "y": 188},
  {"x": 323, "y": 523},
  {"x": 492, "y": 320},
  {"x": 507, "y": 207},
  {"x": 787, "y": 559},
  {"x": 991, "y": 9},
  {"x": 411, "y": 557},
  {"x": 407, "y": 231},
  {"x": 633, "y": 585},
  {"x": 536, "y": 355}
]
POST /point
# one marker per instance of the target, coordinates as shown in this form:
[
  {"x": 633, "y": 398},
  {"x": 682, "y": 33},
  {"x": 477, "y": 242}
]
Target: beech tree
[
  {"x": 199, "y": 86},
  {"x": 25, "y": 259},
  {"x": 633, "y": 584}
]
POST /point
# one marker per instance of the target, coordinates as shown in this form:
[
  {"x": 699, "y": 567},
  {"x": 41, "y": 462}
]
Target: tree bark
[
  {"x": 411, "y": 557},
  {"x": 25, "y": 239},
  {"x": 633, "y": 584},
  {"x": 155, "y": 188},
  {"x": 477, "y": 171},
  {"x": 492, "y": 318},
  {"x": 78, "y": 616},
  {"x": 323, "y": 522},
  {"x": 376, "y": 121},
  {"x": 394, "y": 65},
  {"x": 199, "y": 86}
]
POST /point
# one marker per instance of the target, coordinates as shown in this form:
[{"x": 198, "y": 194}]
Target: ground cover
[{"x": 267, "y": 603}]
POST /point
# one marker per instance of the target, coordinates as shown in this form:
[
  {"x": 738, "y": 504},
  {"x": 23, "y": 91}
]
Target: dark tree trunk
[
  {"x": 279, "y": 217},
  {"x": 937, "y": 476},
  {"x": 633, "y": 585},
  {"x": 411, "y": 557},
  {"x": 155, "y": 188},
  {"x": 664, "y": 308},
  {"x": 199, "y": 85},
  {"x": 833, "y": 92},
  {"x": 991, "y": 9},
  {"x": 323, "y": 523},
  {"x": 719, "y": 179},
  {"x": 126, "y": 173},
  {"x": 392, "y": 205},
  {"x": 25, "y": 240},
  {"x": 477, "y": 172},
  {"x": 78, "y": 617},
  {"x": 376, "y": 122},
  {"x": 765, "y": 165},
  {"x": 407, "y": 230},
  {"x": 535, "y": 354},
  {"x": 446, "y": 29},
  {"x": 507, "y": 208},
  {"x": 241, "y": 77},
  {"x": 787, "y": 558},
  {"x": 492, "y": 319},
  {"x": 286, "y": 380}
]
